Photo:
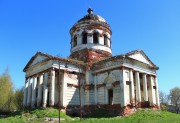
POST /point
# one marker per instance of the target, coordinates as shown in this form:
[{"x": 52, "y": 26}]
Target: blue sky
[{"x": 28, "y": 26}]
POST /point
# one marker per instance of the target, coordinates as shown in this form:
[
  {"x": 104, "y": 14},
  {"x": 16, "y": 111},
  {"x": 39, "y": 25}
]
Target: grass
[
  {"x": 141, "y": 116},
  {"x": 34, "y": 116}
]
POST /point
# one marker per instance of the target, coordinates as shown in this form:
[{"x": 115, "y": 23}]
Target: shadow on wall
[{"x": 73, "y": 101}]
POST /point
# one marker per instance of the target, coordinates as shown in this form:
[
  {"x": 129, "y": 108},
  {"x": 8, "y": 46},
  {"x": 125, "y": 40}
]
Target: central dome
[
  {"x": 92, "y": 32},
  {"x": 92, "y": 19}
]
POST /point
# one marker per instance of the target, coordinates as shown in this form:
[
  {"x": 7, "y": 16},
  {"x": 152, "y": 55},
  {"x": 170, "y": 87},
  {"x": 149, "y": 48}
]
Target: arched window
[
  {"x": 84, "y": 38},
  {"x": 105, "y": 40},
  {"x": 75, "y": 41},
  {"x": 95, "y": 38}
]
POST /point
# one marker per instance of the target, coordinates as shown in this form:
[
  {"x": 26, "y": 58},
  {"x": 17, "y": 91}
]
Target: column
[
  {"x": 29, "y": 92},
  {"x": 79, "y": 39},
  {"x": 95, "y": 89},
  {"x": 138, "y": 89},
  {"x": 25, "y": 93},
  {"x": 151, "y": 96},
  {"x": 52, "y": 88},
  {"x": 145, "y": 87},
  {"x": 132, "y": 87},
  {"x": 122, "y": 88},
  {"x": 157, "y": 92},
  {"x": 45, "y": 89},
  {"x": 89, "y": 39},
  {"x": 34, "y": 92},
  {"x": 63, "y": 88},
  {"x": 39, "y": 98}
]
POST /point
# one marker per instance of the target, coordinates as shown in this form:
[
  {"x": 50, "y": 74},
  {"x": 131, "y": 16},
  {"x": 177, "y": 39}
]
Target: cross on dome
[{"x": 90, "y": 11}]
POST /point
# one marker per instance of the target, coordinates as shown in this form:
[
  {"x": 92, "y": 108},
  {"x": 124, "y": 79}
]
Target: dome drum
[{"x": 91, "y": 32}]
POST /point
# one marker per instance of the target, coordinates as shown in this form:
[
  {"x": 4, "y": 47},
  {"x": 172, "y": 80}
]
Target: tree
[
  {"x": 163, "y": 97},
  {"x": 18, "y": 99},
  {"x": 175, "y": 96},
  {"x": 6, "y": 92}
]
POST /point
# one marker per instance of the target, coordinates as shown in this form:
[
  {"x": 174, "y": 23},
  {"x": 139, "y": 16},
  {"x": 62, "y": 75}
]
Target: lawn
[{"x": 141, "y": 116}]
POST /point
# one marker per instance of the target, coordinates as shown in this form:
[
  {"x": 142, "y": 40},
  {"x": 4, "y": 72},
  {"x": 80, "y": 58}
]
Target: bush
[{"x": 164, "y": 107}]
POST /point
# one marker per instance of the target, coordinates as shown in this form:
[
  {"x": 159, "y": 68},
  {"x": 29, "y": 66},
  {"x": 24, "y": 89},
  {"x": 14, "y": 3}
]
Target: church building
[{"x": 91, "y": 76}]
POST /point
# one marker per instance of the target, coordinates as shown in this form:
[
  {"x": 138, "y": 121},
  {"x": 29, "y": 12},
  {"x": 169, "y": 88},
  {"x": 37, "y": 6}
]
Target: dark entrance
[{"x": 110, "y": 96}]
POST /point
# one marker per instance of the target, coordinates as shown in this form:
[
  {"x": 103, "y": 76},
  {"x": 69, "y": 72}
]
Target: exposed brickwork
[
  {"x": 115, "y": 109},
  {"x": 90, "y": 56}
]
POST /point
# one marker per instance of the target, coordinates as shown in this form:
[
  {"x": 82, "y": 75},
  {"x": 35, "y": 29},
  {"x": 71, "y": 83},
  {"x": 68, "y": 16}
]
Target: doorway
[{"x": 110, "y": 96}]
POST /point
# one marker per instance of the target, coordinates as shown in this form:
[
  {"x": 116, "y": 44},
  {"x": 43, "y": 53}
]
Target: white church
[{"x": 91, "y": 76}]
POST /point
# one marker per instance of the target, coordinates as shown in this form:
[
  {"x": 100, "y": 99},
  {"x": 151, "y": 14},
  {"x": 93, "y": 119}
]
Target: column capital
[
  {"x": 40, "y": 73},
  {"x": 131, "y": 69},
  {"x": 136, "y": 71},
  {"x": 66, "y": 71},
  {"x": 144, "y": 74},
  {"x": 148, "y": 75},
  {"x": 52, "y": 69},
  {"x": 122, "y": 67},
  {"x": 26, "y": 81},
  {"x": 155, "y": 76}
]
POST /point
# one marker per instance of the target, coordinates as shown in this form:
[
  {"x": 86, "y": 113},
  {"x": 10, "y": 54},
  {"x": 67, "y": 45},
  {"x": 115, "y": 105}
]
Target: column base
[
  {"x": 28, "y": 104},
  {"x": 51, "y": 103},
  {"x": 39, "y": 103},
  {"x": 133, "y": 102},
  {"x": 44, "y": 105}
]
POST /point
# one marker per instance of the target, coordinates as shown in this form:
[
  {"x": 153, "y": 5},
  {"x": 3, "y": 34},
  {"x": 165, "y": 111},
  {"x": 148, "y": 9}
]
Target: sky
[{"x": 29, "y": 26}]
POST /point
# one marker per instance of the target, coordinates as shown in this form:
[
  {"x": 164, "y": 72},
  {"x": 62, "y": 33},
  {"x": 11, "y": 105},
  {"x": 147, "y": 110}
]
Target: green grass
[
  {"x": 34, "y": 116},
  {"x": 141, "y": 116}
]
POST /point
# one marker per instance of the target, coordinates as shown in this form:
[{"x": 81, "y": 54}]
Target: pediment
[
  {"x": 140, "y": 57},
  {"x": 37, "y": 58}
]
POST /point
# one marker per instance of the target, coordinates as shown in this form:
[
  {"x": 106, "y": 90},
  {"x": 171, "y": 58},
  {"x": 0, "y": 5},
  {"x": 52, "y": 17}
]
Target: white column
[
  {"x": 45, "y": 96},
  {"x": 45, "y": 89},
  {"x": 157, "y": 92},
  {"x": 101, "y": 39},
  {"x": 109, "y": 42},
  {"x": 29, "y": 91},
  {"x": 79, "y": 39},
  {"x": 89, "y": 39},
  {"x": 39, "y": 98},
  {"x": 151, "y": 96},
  {"x": 63, "y": 89},
  {"x": 95, "y": 89},
  {"x": 122, "y": 88},
  {"x": 132, "y": 87},
  {"x": 138, "y": 89},
  {"x": 25, "y": 93},
  {"x": 52, "y": 88},
  {"x": 145, "y": 87},
  {"x": 34, "y": 92}
]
